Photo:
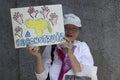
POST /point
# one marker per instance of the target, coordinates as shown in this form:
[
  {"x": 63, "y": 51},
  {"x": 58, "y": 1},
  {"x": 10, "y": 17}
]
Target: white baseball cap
[{"x": 72, "y": 19}]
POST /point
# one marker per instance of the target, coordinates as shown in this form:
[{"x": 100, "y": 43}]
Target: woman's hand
[
  {"x": 67, "y": 46},
  {"x": 34, "y": 50}
]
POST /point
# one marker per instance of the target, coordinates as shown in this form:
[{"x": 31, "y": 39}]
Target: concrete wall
[{"x": 101, "y": 30}]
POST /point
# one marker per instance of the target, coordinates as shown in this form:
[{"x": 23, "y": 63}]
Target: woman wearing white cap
[{"x": 69, "y": 57}]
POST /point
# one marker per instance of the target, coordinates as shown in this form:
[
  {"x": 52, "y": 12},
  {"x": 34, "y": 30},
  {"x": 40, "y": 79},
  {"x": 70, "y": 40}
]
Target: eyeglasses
[{"x": 71, "y": 29}]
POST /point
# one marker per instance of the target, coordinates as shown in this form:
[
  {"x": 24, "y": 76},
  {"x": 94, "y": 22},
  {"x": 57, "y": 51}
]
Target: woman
[{"x": 69, "y": 57}]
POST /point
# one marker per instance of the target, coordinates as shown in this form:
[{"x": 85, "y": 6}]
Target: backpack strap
[{"x": 52, "y": 52}]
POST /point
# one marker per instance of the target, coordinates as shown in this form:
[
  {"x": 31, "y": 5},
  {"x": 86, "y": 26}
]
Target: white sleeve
[
  {"x": 90, "y": 71},
  {"x": 46, "y": 59},
  {"x": 42, "y": 76},
  {"x": 86, "y": 57},
  {"x": 87, "y": 63}
]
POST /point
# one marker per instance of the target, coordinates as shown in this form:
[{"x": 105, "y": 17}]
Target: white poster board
[{"x": 37, "y": 25}]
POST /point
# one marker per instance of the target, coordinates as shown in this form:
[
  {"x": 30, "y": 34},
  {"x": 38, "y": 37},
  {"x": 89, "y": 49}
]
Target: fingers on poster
[
  {"x": 32, "y": 12},
  {"x": 18, "y": 31},
  {"x": 18, "y": 17},
  {"x": 40, "y": 25}
]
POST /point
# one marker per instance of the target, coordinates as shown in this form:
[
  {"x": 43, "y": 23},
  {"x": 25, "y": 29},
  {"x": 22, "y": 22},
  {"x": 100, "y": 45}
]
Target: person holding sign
[{"x": 69, "y": 57}]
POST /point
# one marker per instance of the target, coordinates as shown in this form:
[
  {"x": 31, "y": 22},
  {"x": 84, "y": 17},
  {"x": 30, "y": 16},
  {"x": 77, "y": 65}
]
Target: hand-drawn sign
[{"x": 37, "y": 25}]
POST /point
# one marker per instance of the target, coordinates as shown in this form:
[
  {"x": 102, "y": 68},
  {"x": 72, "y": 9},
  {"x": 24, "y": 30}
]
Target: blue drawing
[{"x": 27, "y": 34}]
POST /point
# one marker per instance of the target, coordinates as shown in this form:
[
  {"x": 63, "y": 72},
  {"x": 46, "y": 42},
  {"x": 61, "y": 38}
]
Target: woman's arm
[
  {"x": 35, "y": 52},
  {"x": 39, "y": 64},
  {"x": 74, "y": 62},
  {"x": 67, "y": 48}
]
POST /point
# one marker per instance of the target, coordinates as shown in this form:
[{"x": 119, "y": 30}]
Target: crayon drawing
[{"x": 37, "y": 25}]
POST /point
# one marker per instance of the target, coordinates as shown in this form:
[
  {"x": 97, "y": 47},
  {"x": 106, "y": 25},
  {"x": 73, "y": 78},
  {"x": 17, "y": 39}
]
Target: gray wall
[{"x": 101, "y": 30}]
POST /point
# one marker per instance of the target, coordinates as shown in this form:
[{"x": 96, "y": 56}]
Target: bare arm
[
  {"x": 74, "y": 62},
  {"x": 67, "y": 48},
  {"x": 35, "y": 52}
]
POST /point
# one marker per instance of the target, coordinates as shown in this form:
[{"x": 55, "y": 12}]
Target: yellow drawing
[{"x": 39, "y": 25}]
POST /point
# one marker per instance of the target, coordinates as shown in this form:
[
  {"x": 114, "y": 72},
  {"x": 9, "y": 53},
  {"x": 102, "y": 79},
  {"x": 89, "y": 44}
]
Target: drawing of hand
[
  {"x": 53, "y": 18},
  {"x": 45, "y": 11},
  {"x": 18, "y": 17},
  {"x": 18, "y": 31},
  {"x": 32, "y": 12}
]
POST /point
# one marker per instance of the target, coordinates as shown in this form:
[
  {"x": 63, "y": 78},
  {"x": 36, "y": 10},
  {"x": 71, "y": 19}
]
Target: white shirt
[{"x": 81, "y": 52}]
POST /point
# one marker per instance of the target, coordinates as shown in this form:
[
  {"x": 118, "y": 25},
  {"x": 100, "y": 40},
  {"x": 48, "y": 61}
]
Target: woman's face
[{"x": 71, "y": 31}]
